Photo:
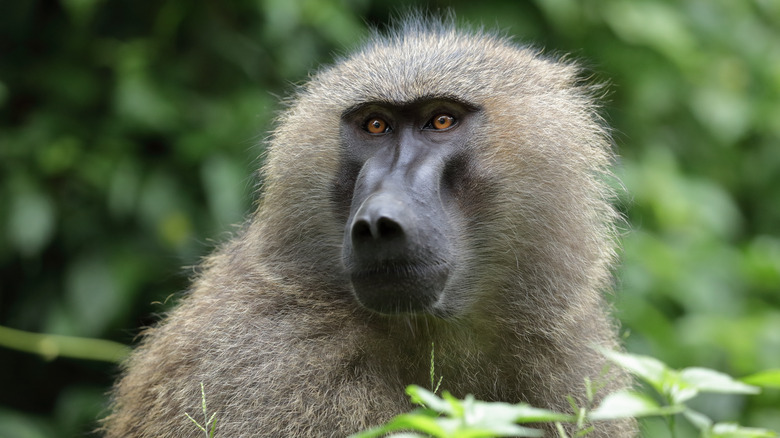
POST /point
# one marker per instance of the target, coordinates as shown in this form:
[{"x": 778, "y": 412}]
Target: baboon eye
[
  {"x": 375, "y": 125},
  {"x": 441, "y": 122}
]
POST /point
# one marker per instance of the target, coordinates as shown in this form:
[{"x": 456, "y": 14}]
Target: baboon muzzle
[{"x": 395, "y": 249}]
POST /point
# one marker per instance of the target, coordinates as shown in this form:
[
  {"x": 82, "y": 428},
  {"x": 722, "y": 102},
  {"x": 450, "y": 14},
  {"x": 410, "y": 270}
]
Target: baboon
[{"x": 439, "y": 188}]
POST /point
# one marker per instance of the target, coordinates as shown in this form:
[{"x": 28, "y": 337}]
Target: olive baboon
[{"x": 438, "y": 187}]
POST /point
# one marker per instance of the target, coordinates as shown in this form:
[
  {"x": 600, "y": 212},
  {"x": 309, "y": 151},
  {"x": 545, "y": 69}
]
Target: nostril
[
  {"x": 382, "y": 222},
  {"x": 388, "y": 228},
  {"x": 361, "y": 230},
  {"x": 364, "y": 230}
]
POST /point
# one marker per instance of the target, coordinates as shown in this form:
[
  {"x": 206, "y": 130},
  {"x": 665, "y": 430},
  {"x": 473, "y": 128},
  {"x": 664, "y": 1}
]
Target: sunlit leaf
[
  {"x": 628, "y": 404},
  {"x": 707, "y": 380},
  {"x": 701, "y": 421},
  {"x": 648, "y": 368},
  {"x": 422, "y": 396},
  {"x": 733, "y": 430},
  {"x": 767, "y": 379},
  {"x": 470, "y": 418},
  {"x": 421, "y": 423},
  {"x": 478, "y": 412},
  {"x": 417, "y": 420},
  {"x": 406, "y": 435}
]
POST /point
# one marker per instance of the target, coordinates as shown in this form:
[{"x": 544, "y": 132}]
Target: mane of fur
[{"x": 270, "y": 326}]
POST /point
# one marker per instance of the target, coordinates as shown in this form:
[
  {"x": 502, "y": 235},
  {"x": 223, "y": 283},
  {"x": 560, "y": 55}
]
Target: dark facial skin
[{"x": 398, "y": 182}]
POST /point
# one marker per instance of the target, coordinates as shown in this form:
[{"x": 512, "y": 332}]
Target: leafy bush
[{"x": 448, "y": 417}]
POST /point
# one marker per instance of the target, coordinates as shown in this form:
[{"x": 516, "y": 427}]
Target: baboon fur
[{"x": 271, "y": 326}]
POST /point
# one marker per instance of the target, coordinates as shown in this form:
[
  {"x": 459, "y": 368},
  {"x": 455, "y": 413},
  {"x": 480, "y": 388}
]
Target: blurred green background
[{"x": 130, "y": 131}]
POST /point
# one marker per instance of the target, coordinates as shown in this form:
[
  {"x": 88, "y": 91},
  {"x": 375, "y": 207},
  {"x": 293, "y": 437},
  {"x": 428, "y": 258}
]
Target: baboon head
[
  {"x": 435, "y": 165},
  {"x": 438, "y": 187}
]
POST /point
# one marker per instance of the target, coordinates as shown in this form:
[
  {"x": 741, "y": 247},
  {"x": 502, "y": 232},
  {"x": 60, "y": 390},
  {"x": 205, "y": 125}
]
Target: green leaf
[
  {"x": 195, "y": 421},
  {"x": 478, "y": 412},
  {"x": 406, "y": 435},
  {"x": 767, "y": 379},
  {"x": 373, "y": 432},
  {"x": 655, "y": 25},
  {"x": 457, "y": 406},
  {"x": 31, "y": 222},
  {"x": 648, "y": 368},
  {"x": 733, "y": 430},
  {"x": 422, "y": 423},
  {"x": 213, "y": 421},
  {"x": 628, "y": 404},
  {"x": 679, "y": 386},
  {"x": 498, "y": 419},
  {"x": 428, "y": 399},
  {"x": 417, "y": 420},
  {"x": 701, "y": 421},
  {"x": 468, "y": 418},
  {"x": 224, "y": 183},
  {"x": 664, "y": 379},
  {"x": 94, "y": 297},
  {"x": 707, "y": 380}
]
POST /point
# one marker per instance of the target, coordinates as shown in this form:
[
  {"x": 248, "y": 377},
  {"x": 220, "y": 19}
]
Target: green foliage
[
  {"x": 768, "y": 379},
  {"x": 209, "y": 426},
  {"x": 450, "y": 417},
  {"x": 675, "y": 388}
]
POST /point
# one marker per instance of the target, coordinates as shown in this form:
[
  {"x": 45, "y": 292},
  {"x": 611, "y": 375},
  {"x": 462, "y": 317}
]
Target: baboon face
[
  {"x": 438, "y": 173},
  {"x": 401, "y": 161}
]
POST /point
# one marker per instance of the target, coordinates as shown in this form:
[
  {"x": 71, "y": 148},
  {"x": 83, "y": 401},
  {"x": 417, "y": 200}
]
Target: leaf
[
  {"x": 406, "y": 435},
  {"x": 422, "y": 396},
  {"x": 767, "y": 379},
  {"x": 373, "y": 432},
  {"x": 457, "y": 406},
  {"x": 213, "y": 421},
  {"x": 417, "y": 420},
  {"x": 468, "y": 418},
  {"x": 733, "y": 430},
  {"x": 701, "y": 421},
  {"x": 707, "y": 380},
  {"x": 497, "y": 430},
  {"x": 478, "y": 412},
  {"x": 679, "y": 386},
  {"x": 224, "y": 183},
  {"x": 648, "y": 368},
  {"x": 664, "y": 379},
  {"x": 627, "y": 404},
  {"x": 655, "y": 25},
  {"x": 31, "y": 222},
  {"x": 498, "y": 419},
  {"x": 195, "y": 421}
]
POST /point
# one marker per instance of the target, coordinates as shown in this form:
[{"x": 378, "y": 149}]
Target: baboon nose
[
  {"x": 382, "y": 223},
  {"x": 383, "y": 228}
]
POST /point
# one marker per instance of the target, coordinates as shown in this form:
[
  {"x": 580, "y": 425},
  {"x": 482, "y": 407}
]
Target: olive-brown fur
[{"x": 271, "y": 326}]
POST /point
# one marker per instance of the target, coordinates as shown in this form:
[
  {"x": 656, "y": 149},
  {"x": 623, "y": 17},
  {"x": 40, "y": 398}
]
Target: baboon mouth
[
  {"x": 400, "y": 270},
  {"x": 393, "y": 288}
]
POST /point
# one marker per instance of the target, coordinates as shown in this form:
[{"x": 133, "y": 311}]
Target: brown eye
[
  {"x": 441, "y": 122},
  {"x": 376, "y": 126}
]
